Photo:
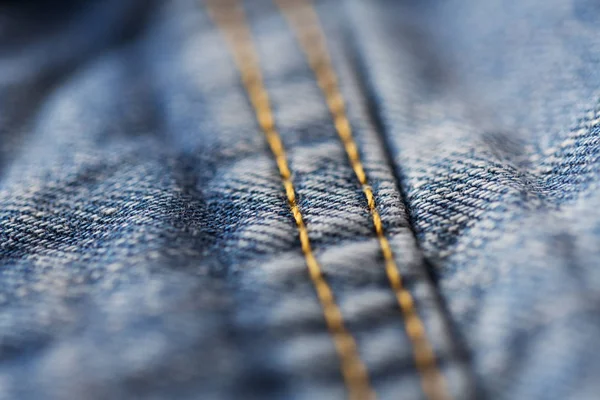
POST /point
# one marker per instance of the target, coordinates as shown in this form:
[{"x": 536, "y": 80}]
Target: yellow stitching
[
  {"x": 305, "y": 23},
  {"x": 229, "y": 16}
]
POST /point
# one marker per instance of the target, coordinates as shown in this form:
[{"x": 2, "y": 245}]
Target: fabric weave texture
[{"x": 148, "y": 250}]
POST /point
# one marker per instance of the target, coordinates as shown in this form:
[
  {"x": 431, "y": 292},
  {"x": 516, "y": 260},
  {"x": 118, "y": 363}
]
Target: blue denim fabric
[
  {"x": 494, "y": 135},
  {"x": 148, "y": 251}
]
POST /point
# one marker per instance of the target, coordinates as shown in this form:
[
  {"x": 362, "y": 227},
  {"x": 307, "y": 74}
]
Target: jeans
[{"x": 148, "y": 248}]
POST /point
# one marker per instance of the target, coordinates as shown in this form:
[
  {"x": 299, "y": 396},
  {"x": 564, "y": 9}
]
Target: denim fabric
[
  {"x": 148, "y": 249},
  {"x": 493, "y": 127}
]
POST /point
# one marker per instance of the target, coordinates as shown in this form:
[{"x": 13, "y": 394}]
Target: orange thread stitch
[
  {"x": 230, "y": 17},
  {"x": 305, "y": 23}
]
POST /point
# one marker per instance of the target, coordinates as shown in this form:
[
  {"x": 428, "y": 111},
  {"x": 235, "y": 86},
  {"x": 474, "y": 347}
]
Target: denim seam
[
  {"x": 230, "y": 17},
  {"x": 462, "y": 351},
  {"x": 305, "y": 23}
]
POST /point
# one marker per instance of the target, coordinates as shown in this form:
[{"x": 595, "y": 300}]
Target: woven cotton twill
[
  {"x": 495, "y": 137},
  {"x": 147, "y": 247}
]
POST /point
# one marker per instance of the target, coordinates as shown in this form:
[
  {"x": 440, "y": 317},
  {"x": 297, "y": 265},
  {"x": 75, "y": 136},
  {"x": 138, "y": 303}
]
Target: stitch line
[
  {"x": 229, "y": 16},
  {"x": 304, "y": 21}
]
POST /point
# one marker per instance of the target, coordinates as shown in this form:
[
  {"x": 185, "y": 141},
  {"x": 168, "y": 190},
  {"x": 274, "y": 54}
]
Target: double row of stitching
[
  {"x": 230, "y": 17},
  {"x": 303, "y": 19}
]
